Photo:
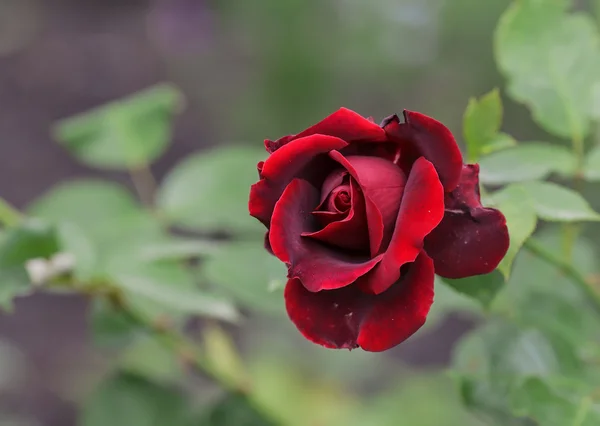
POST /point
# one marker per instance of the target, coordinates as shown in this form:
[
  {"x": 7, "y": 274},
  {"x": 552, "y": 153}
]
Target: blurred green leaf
[
  {"x": 409, "y": 404},
  {"x": 110, "y": 326},
  {"x": 100, "y": 224},
  {"x": 246, "y": 271},
  {"x": 32, "y": 240},
  {"x": 536, "y": 400},
  {"x": 529, "y": 161},
  {"x": 149, "y": 358},
  {"x": 84, "y": 202},
  {"x": 492, "y": 361},
  {"x": 481, "y": 123},
  {"x": 179, "y": 248},
  {"x": 591, "y": 168},
  {"x": 514, "y": 202},
  {"x": 159, "y": 289},
  {"x": 480, "y": 287},
  {"x": 553, "y": 202},
  {"x": 209, "y": 191},
  {"x": 128, "y": 400},
  {"x": 234, "y": 410},
  {"x": 128, "y": 133},
  {"x": 534, "y": 48}
]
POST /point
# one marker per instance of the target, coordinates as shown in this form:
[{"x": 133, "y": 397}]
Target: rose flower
[{"x": 364, "y": 216}]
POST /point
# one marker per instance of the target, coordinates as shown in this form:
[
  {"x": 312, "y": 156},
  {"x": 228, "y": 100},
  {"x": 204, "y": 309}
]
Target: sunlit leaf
[
  {"x": 534, "y": 48},
  {"x": 209, "y": 191},
  {"x": 127, "y": 133},
  {"x": 525, "y": 162}
]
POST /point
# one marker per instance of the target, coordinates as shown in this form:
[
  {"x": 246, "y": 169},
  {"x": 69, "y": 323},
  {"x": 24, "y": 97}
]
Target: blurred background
[{"x": 250, "y": 70}]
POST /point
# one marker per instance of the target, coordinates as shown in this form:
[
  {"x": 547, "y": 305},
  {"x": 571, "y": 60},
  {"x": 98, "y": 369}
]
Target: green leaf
[
  {"x": 128, "y": 133},
  {"x": 480, "y": 287},
  {"x": 525, "y": 162},
  {"x": 167, "y": 288},
  {"x": 499, "y": 142},
  {"x": 234, "y": 410},
  {"x": 32, "y": 240},
  {"x": 100, "y": 224},
  {"x": 534, "y": 48},
  {"x": 86, "y": 203},
  {"x": 535, "y": 399},
  {"x": 128, "y": 400},
  {"x": 481, "y": 122},
  {"x": 209, "y": 191},
  {"x": 553, "y": 202},
  {"x": 514, "y": 202},
  {"x": 110, "y": 326},
  {"x": 591, "y": 168},
  {"x": 246, "y": 271},
  {"x": 149, "y": 358}
]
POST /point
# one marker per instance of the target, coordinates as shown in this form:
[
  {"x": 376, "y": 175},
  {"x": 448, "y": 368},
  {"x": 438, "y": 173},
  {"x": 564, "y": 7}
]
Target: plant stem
[
  {"x": 539, "y": 250},
  {"x": 9, "y": 215},
  {"x": 144, "y": 183}
]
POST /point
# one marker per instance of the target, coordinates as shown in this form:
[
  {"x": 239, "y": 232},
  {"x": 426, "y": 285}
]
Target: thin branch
[{"x": 539, "y": 250}]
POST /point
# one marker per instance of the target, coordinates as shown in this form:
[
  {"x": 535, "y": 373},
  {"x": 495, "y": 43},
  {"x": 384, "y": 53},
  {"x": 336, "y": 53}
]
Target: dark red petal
[
  {"x": 421, "y": 210},
  {"x": 471, "y": 239},
  {"x": 370, "y": 173},
  {"x": 332, "y": 181},
  {"x": 281, "y": 167},
  {"x": 347, "y": 318},
  {"x": 421, "y": 135},
  {"x": 344, "y": 123},
  {"x": 351, "y": 232},
  {"x": 316, "y": 265}
]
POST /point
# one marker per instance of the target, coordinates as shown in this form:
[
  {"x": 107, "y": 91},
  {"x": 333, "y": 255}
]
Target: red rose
[{"x": 363, "y": 216}]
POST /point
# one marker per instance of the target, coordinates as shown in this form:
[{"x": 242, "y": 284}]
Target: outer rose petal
[
  {"x": 316, "y": 265},
  {"x": 344, "y": 124},
  {"x": 421, "y": 135},
  {"x": 347, "y": 318},
  {"x": 281, "y": 167},
  {"x": 421, "y": 210},
  {"x": 471, "y": 239}
]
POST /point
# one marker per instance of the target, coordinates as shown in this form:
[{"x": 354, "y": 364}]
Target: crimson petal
[
  {"x": 350, "y": 232},
  {"x": 421, "y": 210},
  {"x": 316, "y": 265},
  {"x": 421, "y": 135},
  {"x": 281, "y": 167},
  {"x": 471, "y": 239},
  {"x": 347, "y": 318},
  {"x": 344, "y": 124}
]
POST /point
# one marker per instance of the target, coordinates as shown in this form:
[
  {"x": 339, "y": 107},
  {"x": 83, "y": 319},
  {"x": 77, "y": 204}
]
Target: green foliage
[
  {"x": 32, "y": 240},
  {"x": 251, "y": 275},
  {"x": 209, "y": 191},
  {"x": 128, "y": 400},
  {"x": 591, "y": 168},
  {"x": 234, "y": 409},
  {"x": 553, "y": 202},
  {"x": 480, "y": 287},
  {"x": 124, "y": 134},
  {"x": 481, "y": 126},
  {"x": 521, "y": 219},
  {"x": 534, "y": 47},
  {"x": 529, "y": 161}
]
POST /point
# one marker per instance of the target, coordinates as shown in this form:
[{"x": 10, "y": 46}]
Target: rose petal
[
  {"x": 471, "y": 239},
  {"x": 382, "y": 184},
  {"x": 283, "y": 166},
  {"x": 316, "y": 265},
  {"x": 351, "y": 232},
  {"x": 344, "y": 124},
  {"x": 332, "y": 181},
  {"x": 347, "y": 318},
  {"x": 421, "y": 135},
  {"x": 421, "y": 210}
]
